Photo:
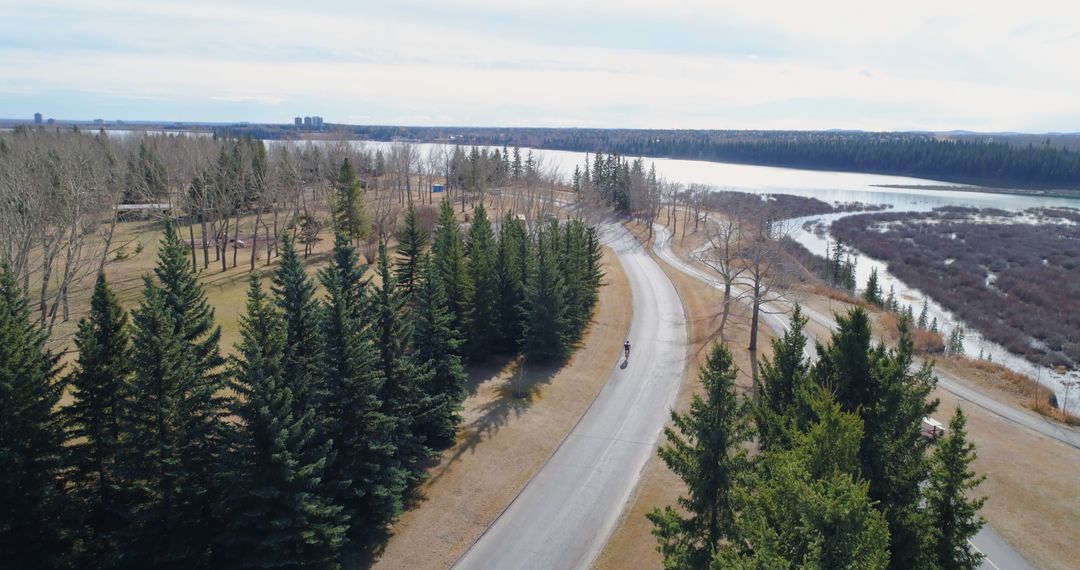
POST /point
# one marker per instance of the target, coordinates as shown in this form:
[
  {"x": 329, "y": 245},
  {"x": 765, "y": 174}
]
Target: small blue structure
[{"x": 436, "y": 187}]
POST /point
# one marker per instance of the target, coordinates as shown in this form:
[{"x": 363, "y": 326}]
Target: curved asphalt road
[
  {"x": 999, "y": 554},
  {"x": 564, "y": 515}
]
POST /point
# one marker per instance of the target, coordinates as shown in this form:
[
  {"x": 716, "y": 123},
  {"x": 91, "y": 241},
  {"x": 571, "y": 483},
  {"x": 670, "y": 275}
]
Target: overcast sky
[{"x": 943, "y": 64}]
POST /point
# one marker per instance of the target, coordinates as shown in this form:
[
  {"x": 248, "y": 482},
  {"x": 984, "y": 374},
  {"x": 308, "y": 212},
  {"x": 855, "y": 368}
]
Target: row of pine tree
[
  {"x": 299, "y": 449},
  {"x": 841, "y": 476}
]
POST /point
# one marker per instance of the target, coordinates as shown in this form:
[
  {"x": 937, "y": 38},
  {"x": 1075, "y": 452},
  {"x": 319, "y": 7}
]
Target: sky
[{"x": 743, "y": 64}]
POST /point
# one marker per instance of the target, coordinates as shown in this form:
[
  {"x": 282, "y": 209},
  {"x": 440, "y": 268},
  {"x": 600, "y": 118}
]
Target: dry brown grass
[
  {"x": 926, "y": 342},
  {"x": 632, "y": 544},
  {"x": 505, "y": 438},
  {"x": 1020, "y": 389},
  {"x": 816, "y": 287}
]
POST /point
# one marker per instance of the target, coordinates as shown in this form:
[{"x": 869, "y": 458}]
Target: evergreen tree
[
  {"x": 922, "y": 324},
  {"x": 294, "y": 295},
  {"x": 512, "y": 270},
  {"x": 545, "y": 330},
  {"x": 873, "y": 289},
  {"x": 483, "y": 324},
  {"x": 705, "y": 450},
  {"x": 783, "y": 384},
  {"x": 805, "y": 507},
  {"x": 201, "y": 405},
  {"x": 890, "y": 301},
  {"x": 402, "y": 395},
  {"x": 955, "y": 345},
  {"x": 437, "y": 346},
  {"x": 185, "y": 298},
  {"x": 952, "y": 517},
  {"x": 347, "y": 205},
  {"x": 161, "y": 483},
  {"x": 411, "y": 243},
  {"x": 448, "y": 254},
  {"x": 576, "y": 265},
  {"x": 879, "y": 384},
  {"x": 277, "y": 513},
  {"x": 31, "y": 438},
  {"x": 364, "y": 477},
  {"x": 99, "y": 385}
]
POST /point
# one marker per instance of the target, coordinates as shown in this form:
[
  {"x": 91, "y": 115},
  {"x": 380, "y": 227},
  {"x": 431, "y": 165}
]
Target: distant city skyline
[{"x": 921, "y": 65}]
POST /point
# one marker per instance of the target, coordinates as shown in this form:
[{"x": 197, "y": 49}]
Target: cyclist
[{"x": 626, "y": 347}]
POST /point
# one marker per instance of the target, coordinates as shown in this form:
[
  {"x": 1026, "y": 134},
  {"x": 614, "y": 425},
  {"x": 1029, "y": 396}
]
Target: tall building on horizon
[
  {"x": 37, "y": 118},
  {"x": 298, "y": 121},
  {"x": 307, "y": 121}
]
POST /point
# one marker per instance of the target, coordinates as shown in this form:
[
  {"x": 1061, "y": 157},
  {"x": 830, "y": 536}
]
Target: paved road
[
  {"x": 999, "y": 554},
  {"x": 567, "y": 511}
]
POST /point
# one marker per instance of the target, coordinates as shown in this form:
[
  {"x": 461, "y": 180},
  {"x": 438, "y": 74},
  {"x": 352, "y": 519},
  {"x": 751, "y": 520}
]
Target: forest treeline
[
  {"x": 825, "y": 468},
  {"x": 992, "y": 160},
  {"x": 924, "y": 156},
  {"x": 298, "y": 450}
]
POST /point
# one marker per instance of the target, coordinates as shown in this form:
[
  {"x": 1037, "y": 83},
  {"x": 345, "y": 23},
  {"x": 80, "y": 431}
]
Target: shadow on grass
[{"x": 517, "y": 390}]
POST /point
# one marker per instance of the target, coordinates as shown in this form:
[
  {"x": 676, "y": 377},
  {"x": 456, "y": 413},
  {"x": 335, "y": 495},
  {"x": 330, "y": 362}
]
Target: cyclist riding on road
[{"x": 626, "y": 347}]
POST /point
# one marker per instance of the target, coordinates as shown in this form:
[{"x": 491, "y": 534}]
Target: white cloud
[{"x": 960, "y": 64}]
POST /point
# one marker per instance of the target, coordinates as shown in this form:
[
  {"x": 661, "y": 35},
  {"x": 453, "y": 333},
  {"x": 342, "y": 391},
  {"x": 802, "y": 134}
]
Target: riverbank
[{"x": 1066, "y": 194}]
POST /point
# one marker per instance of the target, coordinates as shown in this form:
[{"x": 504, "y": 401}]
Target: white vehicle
[{"x": 932, "y": 429}]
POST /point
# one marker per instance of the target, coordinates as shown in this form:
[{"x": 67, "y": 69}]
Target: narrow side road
[
  {"x": 999, "y": 554},
  {"x": 564, "y": 515}
]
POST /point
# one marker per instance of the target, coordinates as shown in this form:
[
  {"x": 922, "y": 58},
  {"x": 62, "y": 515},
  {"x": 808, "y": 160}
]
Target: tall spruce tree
[
  {"x": 783, "y": 384},
  {"x": 350, "y": 215},
  {"x": 580, "y": 264},
  {"x": 545, "y": 336},
  {"x": 873, "y": 289},
  {"x": 705, "y": 449},
  {"x": 162, "y": 486},
  {"x": 202, "y": 404},
  {"x": 448, "y": 254},
  {"x": 437, "y": 344},
  {"x": 185, "y": 298},
  {"x": 364, "y": 476},
  {"x": 31, "y": 438},
  {"x": 277, "y": 511},
  {"x": 403, "y": 396},
  {"x": 892, "y": 398},
  {"x": 805, "y": 507},
  {"x": 411, "y": 243},
  {"x": 573, "y": 264},
  {"x": 294, "y": 294},
  {"x": 951, "y": 514},
  {"x": 512, "y": 263},
  {"x": 483, "y": 326},
  {"x": 99, "y": 385}
]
